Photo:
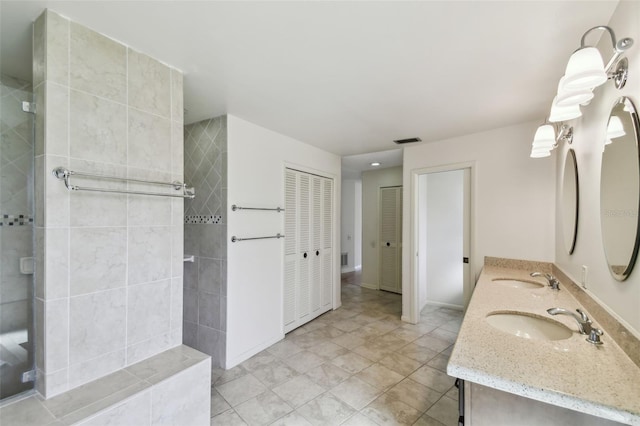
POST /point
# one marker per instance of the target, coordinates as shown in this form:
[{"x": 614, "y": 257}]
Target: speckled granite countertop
[{"x": 571, "y": 373}]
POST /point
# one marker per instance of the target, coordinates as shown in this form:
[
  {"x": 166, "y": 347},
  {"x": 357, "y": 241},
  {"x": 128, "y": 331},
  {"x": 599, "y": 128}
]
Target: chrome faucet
[
  {"x": 553, "y": 281},
  {"x": 584, "y": 323}
]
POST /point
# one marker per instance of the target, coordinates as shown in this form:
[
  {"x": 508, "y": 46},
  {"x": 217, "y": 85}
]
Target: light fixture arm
[
  {"x": 619, "y": 46},
  {"x": 565, "y": 133}
]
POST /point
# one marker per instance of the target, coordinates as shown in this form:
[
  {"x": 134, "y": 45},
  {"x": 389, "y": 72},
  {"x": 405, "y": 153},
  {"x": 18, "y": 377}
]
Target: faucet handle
[
  {"x": 594, "y": 336},
  {"x": 584, "y": 316}
]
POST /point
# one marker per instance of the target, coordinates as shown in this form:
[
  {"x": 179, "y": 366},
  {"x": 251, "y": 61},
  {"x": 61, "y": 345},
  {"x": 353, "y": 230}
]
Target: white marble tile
[
  {"x": 89, "y": 370},
  {"x": 177, "y": 104},
  {"x": 149, "y": 141},
  {"x": 183, "y": 399},
  {"x": 176, "y": 303},
  {"x": 148, "y": 310},
  {"x": 39, "y": 190},
  {"x": 98, "y": 64},
  {"x": 134, "y": 411},
  {"x": 433, "y": 378},
  {"x": 57, "y": 119},
  {"x": 98, "y": 259},
  {"x": 177, "y": 251},
  {"x": 27, "y": 412},
  {"x": 355, "y": 392},
  {"x": 326, "y": 410},
  {"x": 40, "y": 117},
  {"x": 177, "y": 149},
  {"x": 98, "y": 129},
  {"x": 149, "y": 347},
  {"x": 56, "y": 263},
  {"x": 98, "y": 208},
  {"x": 57, "y": 334},
  {"x": 149, "y": 257},
  {"x": 57, "y": 48},
  {"x": 149, "y": 84},
  {"x": 97, "y": 324},
  {"x": 149, "y": 210},
  {"x": 52, "y": 384},
  {"x": 56, "y": 195},
  {"x": 39, "y": 49}
]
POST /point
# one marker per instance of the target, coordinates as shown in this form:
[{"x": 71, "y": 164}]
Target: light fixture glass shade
[
  {"x": 569, "y": 97},
  {"x": 559, "y": 113},
  {"x": 585, "y": 69},
  {"x": 545, "y": 137},
  {"x": 615, "y": 129},
  {"x": 535, "y": 153}
]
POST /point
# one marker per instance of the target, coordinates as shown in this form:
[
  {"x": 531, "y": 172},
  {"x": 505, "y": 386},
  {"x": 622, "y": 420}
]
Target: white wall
[
  {"x": 351, "y": 223},
  {"x": 514, "y": 197},
  {"x": 372, "y": 181},
  {"x": 621, "y": 298},
  {"x": 444, "y": 251},
  {"x": 257, "y": 158}
]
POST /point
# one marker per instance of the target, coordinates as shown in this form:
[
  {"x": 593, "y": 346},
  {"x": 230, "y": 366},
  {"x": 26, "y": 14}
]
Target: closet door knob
[
  {"x": 388, "y": 244},
  {"x": 304, "y": 255},
  {"x": 317, "y": 252}
]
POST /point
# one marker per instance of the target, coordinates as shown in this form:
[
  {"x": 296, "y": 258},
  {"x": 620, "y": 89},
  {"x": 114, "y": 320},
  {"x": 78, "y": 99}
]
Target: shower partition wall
[{"x": 16, "y": 238}]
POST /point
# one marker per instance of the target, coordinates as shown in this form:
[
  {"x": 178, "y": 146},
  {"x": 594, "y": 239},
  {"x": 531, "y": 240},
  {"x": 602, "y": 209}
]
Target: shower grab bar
[
  {"x": 65, "y": 175},
  {"x": 236, "y": 239},
  {"x": 277, "y": 209}
]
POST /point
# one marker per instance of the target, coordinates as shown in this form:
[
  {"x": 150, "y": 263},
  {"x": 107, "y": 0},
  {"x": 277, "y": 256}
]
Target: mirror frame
[
  {"x": 621, "y": 276},
  {"x": 571, "y": 153}
]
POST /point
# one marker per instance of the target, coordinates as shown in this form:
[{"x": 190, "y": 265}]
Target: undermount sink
[
  {"x": 528, "y": 326},
  {"x": 515, "y": 283}
]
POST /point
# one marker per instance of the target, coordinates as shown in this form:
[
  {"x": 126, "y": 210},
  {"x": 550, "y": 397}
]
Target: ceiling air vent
[{"x": 408, "y": 140}]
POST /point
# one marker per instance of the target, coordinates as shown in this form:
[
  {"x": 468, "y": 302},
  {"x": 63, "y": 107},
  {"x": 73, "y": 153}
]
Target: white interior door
[{"x": 391, "y": 239}]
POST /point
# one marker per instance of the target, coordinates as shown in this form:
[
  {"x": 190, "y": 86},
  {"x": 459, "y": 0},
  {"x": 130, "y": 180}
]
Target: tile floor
[{"x": 358, "y": 365}]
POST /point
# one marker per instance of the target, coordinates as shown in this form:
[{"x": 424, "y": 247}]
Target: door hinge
[
  {"x": 29, "y": 107},
  {"x": 29, "y": 376},
  {"x": 465, "y": 260}
]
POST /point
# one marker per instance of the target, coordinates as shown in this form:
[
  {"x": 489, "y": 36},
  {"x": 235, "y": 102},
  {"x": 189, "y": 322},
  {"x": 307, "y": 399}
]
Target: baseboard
[
  {"x": 346, "y": 269},
  {"x": 370, "y": 286},
  {"x": 445, "y": 305},
  {"x": 232, "y": 361}
]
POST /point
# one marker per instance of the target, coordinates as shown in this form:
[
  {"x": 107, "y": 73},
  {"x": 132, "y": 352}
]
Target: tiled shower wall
[
  {"x": 109, "y": 266},
  {"x": 205, "y": 280},
  {"x": 16, "y": 217}
]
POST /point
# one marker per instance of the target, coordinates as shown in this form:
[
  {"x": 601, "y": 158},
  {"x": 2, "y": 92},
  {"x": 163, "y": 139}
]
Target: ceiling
[{"x": 348, "y": 77}]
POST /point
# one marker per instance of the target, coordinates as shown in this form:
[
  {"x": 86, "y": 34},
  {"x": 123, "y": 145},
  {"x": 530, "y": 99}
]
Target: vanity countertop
[{"x": 571, "y": 373}]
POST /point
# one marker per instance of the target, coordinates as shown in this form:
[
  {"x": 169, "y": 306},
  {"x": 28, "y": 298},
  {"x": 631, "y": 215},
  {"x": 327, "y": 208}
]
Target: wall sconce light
[
  {"x": 585, "y": 69},
  {"x": 563, "y": 113},
  {"x": 615, "y": 129},
  {"x": 584, "y": 72},
  {"x": 545, "y": 139}
]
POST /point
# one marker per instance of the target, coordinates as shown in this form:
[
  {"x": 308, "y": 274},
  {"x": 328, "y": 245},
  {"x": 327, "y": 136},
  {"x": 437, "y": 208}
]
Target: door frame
[{"x": 413, "y": 316}]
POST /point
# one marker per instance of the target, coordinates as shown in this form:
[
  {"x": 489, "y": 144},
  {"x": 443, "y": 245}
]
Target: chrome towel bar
[
  {"x": 65, "y": 175},
  {"x": 277, "y": 209},
  {"x": 236, "y": 239}
]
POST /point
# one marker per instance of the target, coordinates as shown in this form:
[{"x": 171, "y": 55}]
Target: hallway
[{"x": 358, "y": 365}]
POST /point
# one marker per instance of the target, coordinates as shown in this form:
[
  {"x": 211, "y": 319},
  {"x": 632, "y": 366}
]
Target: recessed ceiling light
[{"x": 375, "y": 164}]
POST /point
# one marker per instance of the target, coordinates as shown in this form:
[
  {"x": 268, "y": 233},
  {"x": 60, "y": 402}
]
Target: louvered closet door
[
  {"x": 290, "y": 247},
  {"x": 316, "y": 246},
  {"x": 390, "y": 238},
  {"x": 304, "y": 248},
  {"x": 327, "y": 243},
  {"x": 308, "y": 268}
]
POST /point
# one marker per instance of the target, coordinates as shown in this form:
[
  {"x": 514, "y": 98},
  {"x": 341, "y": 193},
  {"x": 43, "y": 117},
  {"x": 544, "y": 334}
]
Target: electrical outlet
[{"x": 584, "y": 276}]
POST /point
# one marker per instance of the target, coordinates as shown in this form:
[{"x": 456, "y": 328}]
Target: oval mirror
[
  {"x": 620, "y": 189},
  {"x": 570, "y": 201}
]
